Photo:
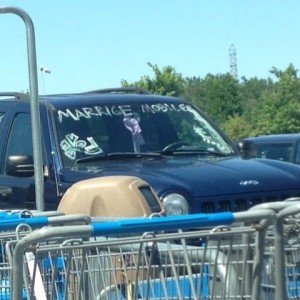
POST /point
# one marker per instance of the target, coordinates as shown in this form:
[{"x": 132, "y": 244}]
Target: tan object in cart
[{"x": 111, "y": 196}]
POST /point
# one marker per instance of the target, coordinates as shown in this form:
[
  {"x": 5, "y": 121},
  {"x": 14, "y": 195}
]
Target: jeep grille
[{"x": 235, "y": 203}]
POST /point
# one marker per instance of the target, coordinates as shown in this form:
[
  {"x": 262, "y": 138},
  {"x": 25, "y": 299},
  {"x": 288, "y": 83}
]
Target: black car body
[
  {"x": 284, "y": 147},
  {"x": 168, "y": 142}
]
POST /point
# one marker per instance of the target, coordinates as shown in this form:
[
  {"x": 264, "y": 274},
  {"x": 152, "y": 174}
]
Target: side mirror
[
  {"x": 246, "y": 149},
  {"x": 19, "y": 166}
]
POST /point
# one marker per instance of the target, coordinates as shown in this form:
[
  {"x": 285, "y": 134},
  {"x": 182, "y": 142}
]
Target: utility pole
[{"x": 233, "y": 63}]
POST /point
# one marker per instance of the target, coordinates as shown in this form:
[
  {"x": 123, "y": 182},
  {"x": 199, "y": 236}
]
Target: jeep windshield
[{"x": 139, "y": 129}]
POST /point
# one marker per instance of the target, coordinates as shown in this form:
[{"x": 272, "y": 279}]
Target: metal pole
[{"x": 34, "y": 104}]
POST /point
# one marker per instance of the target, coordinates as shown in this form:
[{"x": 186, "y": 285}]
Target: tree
[
  {"x": 165, "y": 82},
  {"x": 252, "y": 91},
  {"x": 218, "y": 95},
  {"x": 279, "y": 111},
  {"x": 195, "y": 91},
  {"x": 236, "y": 127}
]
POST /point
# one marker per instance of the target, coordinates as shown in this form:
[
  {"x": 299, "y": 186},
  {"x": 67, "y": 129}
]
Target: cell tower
[{"x": 233, "y": 63}]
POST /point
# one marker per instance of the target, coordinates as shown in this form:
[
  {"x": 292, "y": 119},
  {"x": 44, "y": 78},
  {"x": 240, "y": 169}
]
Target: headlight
[{"x": 175, "y": 204}]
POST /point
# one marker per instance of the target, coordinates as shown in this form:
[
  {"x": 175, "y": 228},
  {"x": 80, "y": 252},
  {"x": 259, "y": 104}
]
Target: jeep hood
[{"x": 197, "y": 176}]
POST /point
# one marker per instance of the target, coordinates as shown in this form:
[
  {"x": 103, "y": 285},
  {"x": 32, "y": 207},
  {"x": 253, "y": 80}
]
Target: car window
[
  {"x": 283, "y": 151},
  {"x": 297, "y": 154},
  {"x": 142, "y": 127},
  {"x": 20, "y": 136}
]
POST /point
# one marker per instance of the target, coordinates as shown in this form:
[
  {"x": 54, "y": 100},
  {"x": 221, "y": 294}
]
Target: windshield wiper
[
  {"x": 194, "y": 151},
  {"x": 118, "y": 155}
]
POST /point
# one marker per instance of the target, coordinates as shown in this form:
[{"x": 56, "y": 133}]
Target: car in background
[{"x": 284, "y": 147}]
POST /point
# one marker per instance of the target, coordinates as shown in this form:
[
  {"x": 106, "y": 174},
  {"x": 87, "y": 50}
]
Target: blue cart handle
[
  {"x": 12, "y": 223},
  {"x": 162, "y": 223}
]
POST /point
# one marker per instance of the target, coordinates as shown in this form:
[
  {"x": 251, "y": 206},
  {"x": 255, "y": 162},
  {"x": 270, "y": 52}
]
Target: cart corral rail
[
  {"x": 239, "y": 257},
  {"x": 118, "y": 260}
]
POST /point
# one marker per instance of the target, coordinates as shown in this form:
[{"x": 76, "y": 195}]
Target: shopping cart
[
  {"x": 145, "y": 258},
  {"x": 15, "y": 225},
  {"x": 281, "y": 276}
]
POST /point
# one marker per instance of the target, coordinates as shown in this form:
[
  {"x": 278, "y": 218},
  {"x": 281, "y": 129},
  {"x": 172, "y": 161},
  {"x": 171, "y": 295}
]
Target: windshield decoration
[
  {"x": 205, "y": 137},
  {"x": 164, "y": 107},
  {"x": 71, "y": 145},
  {"x": 118, "y": 110},
  {"x": 131, "y": 122},
  {"x": 137, "y": 127},
  {"x": 95, "y": 111}
]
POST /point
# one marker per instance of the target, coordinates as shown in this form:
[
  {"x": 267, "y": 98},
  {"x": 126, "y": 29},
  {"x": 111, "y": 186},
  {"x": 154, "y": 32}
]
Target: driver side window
[{"x": 20, "y": 137}]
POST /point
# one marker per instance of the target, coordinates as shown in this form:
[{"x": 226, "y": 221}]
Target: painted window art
[{"x": 133, "y": 128}]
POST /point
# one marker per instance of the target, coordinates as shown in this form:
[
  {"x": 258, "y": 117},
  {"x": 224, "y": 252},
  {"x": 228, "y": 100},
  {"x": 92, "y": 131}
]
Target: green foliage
[
  {"x": 236, "y": 127},
  {"x": 222, "y": 97},
  {"x": 195, "y": 91},
  {"x": 252, "y": 91},
  {"x": 279, "y": 110},
  {"x": 166, "y": 82},
  {"x": 242, "y": 108}
]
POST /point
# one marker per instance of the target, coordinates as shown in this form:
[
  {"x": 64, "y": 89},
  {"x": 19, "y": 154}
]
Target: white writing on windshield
[{"x": 118, "y": 110}]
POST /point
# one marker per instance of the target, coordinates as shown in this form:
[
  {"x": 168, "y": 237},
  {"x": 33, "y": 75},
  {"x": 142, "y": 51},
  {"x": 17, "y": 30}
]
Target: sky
[{"x": 96, "y": 44}]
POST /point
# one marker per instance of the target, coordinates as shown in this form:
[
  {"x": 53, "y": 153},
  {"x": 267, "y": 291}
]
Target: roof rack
[
  {"x": 122, "y": 90},
  {"x": 16, "y": 95}
]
